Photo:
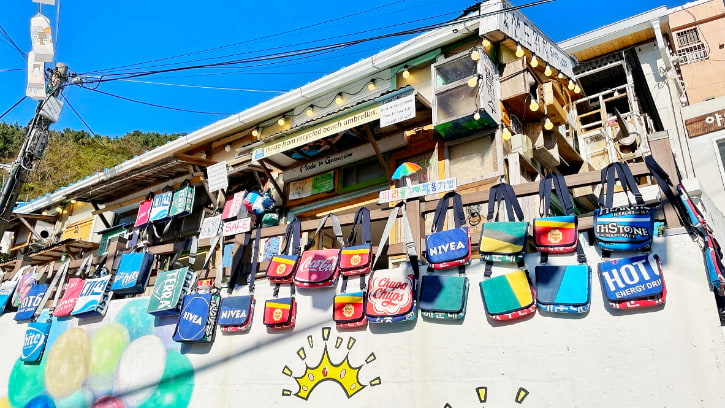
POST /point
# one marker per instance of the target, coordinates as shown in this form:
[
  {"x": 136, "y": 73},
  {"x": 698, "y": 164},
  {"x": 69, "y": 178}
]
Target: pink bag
[
  {"x": 319, "y": 268},
  {"x": 144, "y": 211},
  {"x": 233, "y": 205},
  {"x": 73, "y": 289},
  {"x": 26, "y": 282}
]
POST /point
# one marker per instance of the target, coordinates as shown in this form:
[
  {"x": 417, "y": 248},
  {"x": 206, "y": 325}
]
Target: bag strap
[
  {"x": 362, "y": 220},
  {"x": 512, "y": 203},
  {"x": 495, "y": 195},
  {"x": 668, "y": 189},
  {"x": 336, "y": 229},
  {"x": 631, "y": 182},
  {"x": 292, "y": 237},
  {"x": 626, "y": 180},
  {"x": 409, "y": 243},
  {"x": 255, "y": 258},
  {"x": 85, "y": 268},
  {"x": 238, "y": 262},
  {"x": 558, "y": 183},
  {"x": 19, "y": 273},
  {"x": 275, "y": 292},
  {"x": 61, "y": 273},
  {"x": 581, "y": 257},
  {"x": 442, "y": 208}
]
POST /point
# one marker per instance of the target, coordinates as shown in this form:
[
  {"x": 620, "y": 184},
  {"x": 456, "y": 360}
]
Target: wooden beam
[
  {"x": 659, "y": 144},
  {"x": 135, "y": 200},
  {"x": 379, "y": 155},
  {"x": 27, "y": 224},
  {"x": 194, "y": 160},
  {"x": 100, "y": 215},
  {"x": 269, "y": 176}
]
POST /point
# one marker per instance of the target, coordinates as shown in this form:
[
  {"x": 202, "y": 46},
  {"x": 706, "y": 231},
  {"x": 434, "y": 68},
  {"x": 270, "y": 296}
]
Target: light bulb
[
  {"x": 548, "y": 71},
  {"x": 534, "y": 62},
  {"x": 281, "y": 121},
  {"x": 473, "y": 82},
  {"x": 255, "y": 132},
  {"x": 571, "y": 85},
  {"x": 73, "y": 201},
  {"x": 506, "y": 134},
  {"x": 476, "y": 116},
  {"x": 486, "y": 43},
  {"x": 45, "y": 213},
  {"x": 577, "y": 89},
  {"x": 547, "y": 124},
  {"x": 371, "y": 86},
  {"x": 338, "y": 99},
  {"x": 309, "y": 111},
  {"x": 560, "y": 76},
  {"x": 228, "y": 148},
  {"x": 59, "y": 209},
  {"x": 475, "y": 55},
  {"x": 534, "y": 106},
  {"x": 519, "y": 51},
  {"x": 406, "y": 73}
]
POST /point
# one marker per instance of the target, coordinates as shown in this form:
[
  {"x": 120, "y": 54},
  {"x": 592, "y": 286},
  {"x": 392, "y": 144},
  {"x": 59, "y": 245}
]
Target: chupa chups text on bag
[
  {"x": 633, "y": 279},
  {"x": 390, "y": 296}
]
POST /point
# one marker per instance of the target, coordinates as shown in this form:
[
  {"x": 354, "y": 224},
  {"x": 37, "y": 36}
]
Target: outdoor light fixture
[
  {"x": 560, "y": 76},
  {"x": 534, "y": 105},
  {"x": 548, "y": 125},
  {"x": 486, "y": 43},
  {"x": 519, "y": 51},
  {"x": 371, "y": 85},
  {"x": 45, "y": 213},
  {"x": 506, "y": 133},
  {"x": 473, "y": 82},
  {"x": 228, "y": 148},
  {"x": 73, "y": 201},
  {"x": 338, "y": 99},
  {"x": 475, "y": 55},
  {"x": 476, "y": 116},
  {"x": 534, "y": 62},
  {"x": 577, "y": 89},
  {"x": 548, "y": 71},
  {"x": 281, "y": 121},
  {"x": 255, "y": 132},
  {"x": 571, "y": 85},
  {"x": 309, "y": 111},
  {"x": 59, "y": 209},
  {"x": 406, "y": 73}
]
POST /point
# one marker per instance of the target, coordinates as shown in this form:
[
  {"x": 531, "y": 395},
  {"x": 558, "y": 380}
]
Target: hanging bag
[
  {"x": 318, "y": 267},
  {"x": 199, "y": 310},
  {"x": 508, "y": 296},
  {"x": 555, "y": 234},
  {"x": 133, "y": 272},
  {"x": 391, "y": 293},
  {"x": 714, "y": 264},
  {"x": 31, "y": 303},
  {"x": 280, "y": 313},
  {"x": 7, "y": 288},
  {"x": 564, "y": 288},
  {"x": 182, "y": 202},
  {"x": 144, "y": 211},
  {"x": 444, "y": 294},
  {"x": 357, "y": 259},
  {"x": 349, "y": 307},
  {"x": 36, "y": 335},
  {"x": 73, "y": 289},
  {"x": 161, "y": 206},
  {"x": 503, "y": 241},
  {"x": 446, "y": 249},
  {"x": 25, "y": 283},
  {"x": 625, "y": 228},
  {"x": 173, "y": 283},
  {"x": 282, "y": 267},
  {"x": 96, "y": 293},
  {"x": 234, "y": 205},
  {"x": 236, "y": 312},
  {"x": 635, "y": 282}
]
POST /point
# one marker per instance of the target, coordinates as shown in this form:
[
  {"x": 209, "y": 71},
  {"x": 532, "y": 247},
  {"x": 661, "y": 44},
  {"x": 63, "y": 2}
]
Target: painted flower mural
[{"x": 128, "y": 360}]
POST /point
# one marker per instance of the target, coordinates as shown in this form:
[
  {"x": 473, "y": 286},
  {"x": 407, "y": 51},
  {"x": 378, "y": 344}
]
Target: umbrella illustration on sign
[{"x": 405, "y": 170}]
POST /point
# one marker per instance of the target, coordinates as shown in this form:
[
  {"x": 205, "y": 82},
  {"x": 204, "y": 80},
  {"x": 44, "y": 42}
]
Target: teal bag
[
  {"x": 182, "y": 202},
  {"x": 503, "y": 241},
  {"x": 444, "y": 296}
]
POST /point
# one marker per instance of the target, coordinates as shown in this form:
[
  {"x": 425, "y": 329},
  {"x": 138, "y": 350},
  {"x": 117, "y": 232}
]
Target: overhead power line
[
  {"x": 70, "y": 105},
  {"x": 4, "y": 34},
  {"x": 204, "y": 87},
  {"x": 12, "y": 107},
  {"x": 157, "y": 105}
]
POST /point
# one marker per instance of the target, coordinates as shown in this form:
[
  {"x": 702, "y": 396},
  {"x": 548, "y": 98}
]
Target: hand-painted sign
[
  {"x": 704, "y": 124},
  {"x": 418, "y": 190},
  {"x": 217, "y": 176},
  {"x": 237, "y": 226},
  {"x": 397, "y": 109},
  {"x": 322, "y": 183}
]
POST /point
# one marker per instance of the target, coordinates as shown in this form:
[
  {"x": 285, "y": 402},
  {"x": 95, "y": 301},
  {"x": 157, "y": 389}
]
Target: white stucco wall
[{"x": 670, "y": 356}]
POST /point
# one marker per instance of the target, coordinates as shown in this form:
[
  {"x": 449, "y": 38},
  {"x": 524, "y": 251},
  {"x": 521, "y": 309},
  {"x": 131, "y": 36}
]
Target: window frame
[
  {"x": 720, "y": 165},
  {"x": 341, "y": 189}
]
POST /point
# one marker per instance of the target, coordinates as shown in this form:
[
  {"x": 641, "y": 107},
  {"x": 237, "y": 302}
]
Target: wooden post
[
  {"x": 417, "y": 224},
  {"x": 659, "y": 144},
  {"x": 379, "y": 155},
  {"x": 274, "y": 182}
]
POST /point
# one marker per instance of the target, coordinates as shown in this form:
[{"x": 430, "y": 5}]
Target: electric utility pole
[{"x": 34, "y": 144}]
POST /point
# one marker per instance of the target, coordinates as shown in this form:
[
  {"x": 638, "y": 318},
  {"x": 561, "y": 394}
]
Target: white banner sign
[
  {"x": 216, "y": 175},
  {"x": 237, "y": 226},
  {"x": 418, "y": 190},
  {"x": 210, "y": 227},
  {"x": 397, "y": 109}
]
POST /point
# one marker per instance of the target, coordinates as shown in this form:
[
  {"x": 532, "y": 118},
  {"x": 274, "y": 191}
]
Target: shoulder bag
[
  {"x": 7, "y": 288},
  {"x": 144, "y": 211},
  {"x": 31, "y": 303},
  {"x": 503, "y": 241},
  {"x": 318, "y": 267},
  {"x": 96, "y": 294},
  {"x": 282, "y": 267},
  {"x": 626, "y": 228},
  {"x": 161, "y": 206},
  {"x": 73, "y": 289},
  {"x": 173, "y": 283},
  {"x": 555, "y": 234},
  {"x": 391, "y": 293},
  {"x": 133, "y": 272},
  {"x": 25, "y": 283},
  {"x": 452, "y": 247},
  {"x": 182, "y": 202},
  {"x": 236, "y": 311},
  {"x": 357, "y": 259},
  {"x": 632, "y": 283}
]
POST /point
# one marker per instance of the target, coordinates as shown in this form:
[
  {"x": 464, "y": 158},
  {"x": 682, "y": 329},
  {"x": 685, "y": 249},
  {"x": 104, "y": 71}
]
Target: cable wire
[
  {"x": 13, "y": 107},
  {"x": 70, "y": 105},
  {"x": 5, "y": 35},
  {"x": 204, "y": 87},
  {"x": 157, "y": 105}
]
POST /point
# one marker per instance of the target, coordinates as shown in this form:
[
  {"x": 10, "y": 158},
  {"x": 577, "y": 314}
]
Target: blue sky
[{"x": 95, "y": 35}]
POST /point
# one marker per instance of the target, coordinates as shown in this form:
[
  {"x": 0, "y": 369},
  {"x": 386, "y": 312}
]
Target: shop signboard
[
  {"x": 418, "y": 190},
  {"x": 310, "y": 186}
]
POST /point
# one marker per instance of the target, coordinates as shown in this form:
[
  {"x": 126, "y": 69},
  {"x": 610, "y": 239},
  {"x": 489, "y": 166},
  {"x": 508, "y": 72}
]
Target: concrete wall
[
  {"x": 704, "y": 79},
  {"x": 671, "y": 356}
]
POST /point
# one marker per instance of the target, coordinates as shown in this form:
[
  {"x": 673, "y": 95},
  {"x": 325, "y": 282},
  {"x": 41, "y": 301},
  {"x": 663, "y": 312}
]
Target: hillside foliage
[{"x": 74, "y": 154}]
